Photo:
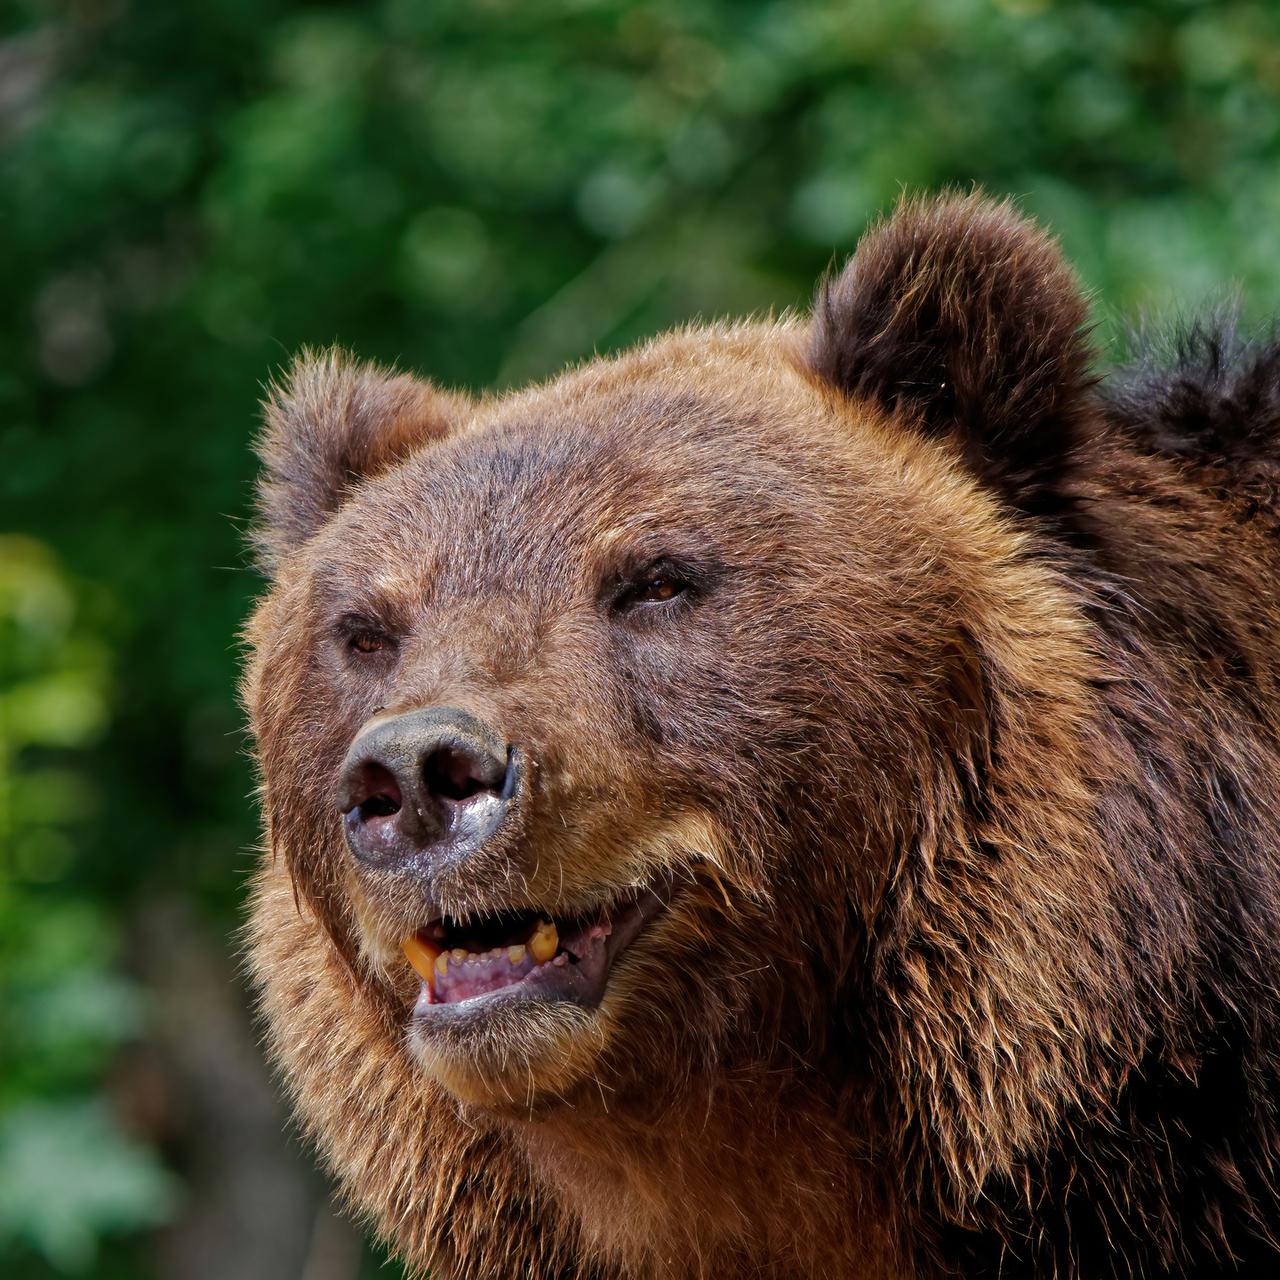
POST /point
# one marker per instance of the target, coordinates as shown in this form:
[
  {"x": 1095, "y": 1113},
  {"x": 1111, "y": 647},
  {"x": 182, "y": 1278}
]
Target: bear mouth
[{"x": 526, "y": 954}]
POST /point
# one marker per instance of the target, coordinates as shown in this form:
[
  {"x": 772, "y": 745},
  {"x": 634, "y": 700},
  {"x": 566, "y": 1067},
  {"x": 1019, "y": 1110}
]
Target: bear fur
[{"x": 961, "y": 750}]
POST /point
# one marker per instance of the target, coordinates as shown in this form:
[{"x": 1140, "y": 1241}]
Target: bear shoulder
[{"x": 1206, "y": 394}]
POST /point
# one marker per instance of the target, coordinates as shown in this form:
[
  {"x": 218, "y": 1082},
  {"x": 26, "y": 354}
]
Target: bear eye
[
  {"x": 656, "y": 584},
  {"x": 362, "y": 636},
  {"x": 367, "y": 642},
  {"x": 656, "y": 588}
]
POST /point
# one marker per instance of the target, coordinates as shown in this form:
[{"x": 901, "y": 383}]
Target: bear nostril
[
  {"x": 376, "y": 793},
  {"x": 451, "y": 774}
]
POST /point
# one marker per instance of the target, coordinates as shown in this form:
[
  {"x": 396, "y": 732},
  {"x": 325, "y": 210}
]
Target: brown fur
[{"x": 964, "y": 753}]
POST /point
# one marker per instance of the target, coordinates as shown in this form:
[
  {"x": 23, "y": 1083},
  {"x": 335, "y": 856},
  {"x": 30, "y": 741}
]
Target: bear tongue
[{"x": 462, "y": 979}]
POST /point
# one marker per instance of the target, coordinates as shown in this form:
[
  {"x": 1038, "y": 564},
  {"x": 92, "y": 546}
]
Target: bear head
[{"x": 649, "y": 727}]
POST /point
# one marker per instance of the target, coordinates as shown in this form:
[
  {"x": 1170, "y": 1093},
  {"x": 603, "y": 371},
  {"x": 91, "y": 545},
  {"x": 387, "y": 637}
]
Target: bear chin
[{"x": 513, "y": 1052}]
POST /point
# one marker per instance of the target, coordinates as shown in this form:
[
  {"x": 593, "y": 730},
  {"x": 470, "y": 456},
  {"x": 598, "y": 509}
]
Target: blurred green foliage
[
  {"x": 481, "y": 190},
  {"x": 67, "y": 1173}
]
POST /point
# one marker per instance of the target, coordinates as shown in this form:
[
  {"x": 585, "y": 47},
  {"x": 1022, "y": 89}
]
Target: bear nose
[{"x": 429, "y": 782}]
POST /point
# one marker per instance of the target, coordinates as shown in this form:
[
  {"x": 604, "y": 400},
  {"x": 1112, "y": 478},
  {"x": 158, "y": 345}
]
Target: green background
[{"x": 482, "y": 191}]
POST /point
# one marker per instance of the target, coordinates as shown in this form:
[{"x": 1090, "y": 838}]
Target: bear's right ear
[
  {"x": 330, "y": 423},
  {"x": 961, "y": 314}
]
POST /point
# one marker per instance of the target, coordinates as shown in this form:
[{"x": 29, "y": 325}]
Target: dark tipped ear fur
[
  {"x": 961, "y": 313},
  {"x": 330, "y": 423}
]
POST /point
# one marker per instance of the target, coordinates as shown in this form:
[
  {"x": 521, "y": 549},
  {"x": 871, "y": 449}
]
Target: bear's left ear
[
  {"x": 332, "y": 422},
  {"x": 963, "y": 315}
]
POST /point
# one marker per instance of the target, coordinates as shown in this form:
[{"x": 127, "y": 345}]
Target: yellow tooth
[
  {"x": 543, "y": 941},
  {"x": 459, "y": 954},
  {"x": 442, "y": 963},
  {"x": 422, "y": 955},
  {"x": 515, "y": 954}
]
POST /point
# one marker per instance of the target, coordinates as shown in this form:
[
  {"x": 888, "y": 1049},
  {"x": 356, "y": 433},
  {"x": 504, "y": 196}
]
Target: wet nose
[{"x": 427, "y": 784}]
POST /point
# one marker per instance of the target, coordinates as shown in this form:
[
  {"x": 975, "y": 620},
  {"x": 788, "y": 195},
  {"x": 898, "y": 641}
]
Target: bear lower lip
[{"x": 468, "y": 978}]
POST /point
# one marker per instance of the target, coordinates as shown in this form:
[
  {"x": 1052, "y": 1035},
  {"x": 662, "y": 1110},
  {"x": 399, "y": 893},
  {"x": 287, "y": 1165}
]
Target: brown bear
[{"x": 800, "y": 798}]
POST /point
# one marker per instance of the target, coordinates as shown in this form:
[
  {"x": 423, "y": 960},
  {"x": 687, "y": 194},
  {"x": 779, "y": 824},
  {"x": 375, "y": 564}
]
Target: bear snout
[{"x": 423, "y": 790}]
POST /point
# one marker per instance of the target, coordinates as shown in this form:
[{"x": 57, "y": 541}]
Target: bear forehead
[
  {"x": 534, "y": 505},
  {"x": 642, "y": 456}
]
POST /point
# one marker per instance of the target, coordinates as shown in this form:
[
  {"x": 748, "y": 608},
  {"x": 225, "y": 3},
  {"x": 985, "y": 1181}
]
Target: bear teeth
[
  {"x": 422, "y": 955},
  {"x": 543, "y": 941},
  {"x": 431, "y": 962}
]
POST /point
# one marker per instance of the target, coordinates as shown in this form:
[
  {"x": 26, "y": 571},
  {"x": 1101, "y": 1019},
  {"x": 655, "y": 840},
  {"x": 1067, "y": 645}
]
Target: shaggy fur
[{"x": 963, "y": 747}]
